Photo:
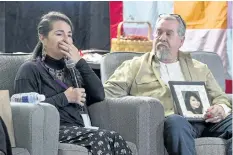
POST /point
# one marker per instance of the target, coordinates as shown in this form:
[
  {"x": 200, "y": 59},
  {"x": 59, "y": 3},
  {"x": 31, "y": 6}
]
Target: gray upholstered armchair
[
  {"x": 36, "y": 126},
  {"x": 34, "y": 132},
  {"x": 151, "y": 137}
]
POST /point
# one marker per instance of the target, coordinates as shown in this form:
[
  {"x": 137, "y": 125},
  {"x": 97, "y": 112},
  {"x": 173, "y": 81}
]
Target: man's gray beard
[{"x": 163, "y": 54}]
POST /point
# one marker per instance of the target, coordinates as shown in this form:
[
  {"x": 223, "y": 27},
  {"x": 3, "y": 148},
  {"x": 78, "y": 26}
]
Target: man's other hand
[{"x": 215, "y": 114}]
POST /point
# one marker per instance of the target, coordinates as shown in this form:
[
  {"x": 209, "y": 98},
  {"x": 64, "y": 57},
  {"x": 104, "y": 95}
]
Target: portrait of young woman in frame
[{"x": 190, "y": 99}]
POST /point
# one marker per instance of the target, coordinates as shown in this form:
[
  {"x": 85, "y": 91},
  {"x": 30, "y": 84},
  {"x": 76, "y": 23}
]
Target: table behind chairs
[{"x": 95, "y": 65}]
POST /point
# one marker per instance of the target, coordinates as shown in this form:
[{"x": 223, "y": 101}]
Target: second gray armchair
[{"x": 154, "y": 141}]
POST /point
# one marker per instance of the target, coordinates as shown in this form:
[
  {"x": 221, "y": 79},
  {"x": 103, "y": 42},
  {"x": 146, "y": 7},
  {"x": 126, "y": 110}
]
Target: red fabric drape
[
  {"x": 116, "y": 16},
  {"x": 228, "y": 86}
]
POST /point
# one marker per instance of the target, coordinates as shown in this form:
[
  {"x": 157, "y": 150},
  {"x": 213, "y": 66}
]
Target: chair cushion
[
  {"x": 19, "y": 151},
  {"x": 213, "y": 146},
  {"x": 71, "y": 149},
  {"x": 133, "y": 147},
  {"x": 209, "y": 146}
]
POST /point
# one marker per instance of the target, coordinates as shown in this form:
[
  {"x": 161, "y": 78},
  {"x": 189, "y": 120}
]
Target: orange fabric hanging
[{"x": 203, "y": 14}]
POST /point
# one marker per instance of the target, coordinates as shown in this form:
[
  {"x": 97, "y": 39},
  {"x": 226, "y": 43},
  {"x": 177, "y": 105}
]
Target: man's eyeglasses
[{"x": 178, "y": 17}]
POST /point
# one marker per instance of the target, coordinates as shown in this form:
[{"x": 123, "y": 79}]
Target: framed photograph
[{"x": 190, "y": 99}]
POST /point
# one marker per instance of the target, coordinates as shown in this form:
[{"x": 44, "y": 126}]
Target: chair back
[
  {"x": 214, "y": 63},
  {"x": 111, "y": 61},
  {"x": 9, "y": 65}
]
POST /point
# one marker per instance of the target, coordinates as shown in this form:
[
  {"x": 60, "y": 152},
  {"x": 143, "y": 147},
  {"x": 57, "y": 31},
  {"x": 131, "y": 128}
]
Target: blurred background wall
[{"x": 18, "y": 23}]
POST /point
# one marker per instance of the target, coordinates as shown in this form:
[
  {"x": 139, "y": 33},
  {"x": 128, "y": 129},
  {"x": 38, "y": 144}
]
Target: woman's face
[
  {"x": 61, "y": 31},
  {"x": 194, "y": 102}
]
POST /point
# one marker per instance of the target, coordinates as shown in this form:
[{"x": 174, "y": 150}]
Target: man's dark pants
[{"x": 179, "y": 134}]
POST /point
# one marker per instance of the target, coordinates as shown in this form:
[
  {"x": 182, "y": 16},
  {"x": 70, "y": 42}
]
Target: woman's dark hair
[
  {"x": 45, "y": 25},
  {"x": 188, "y": 95}
]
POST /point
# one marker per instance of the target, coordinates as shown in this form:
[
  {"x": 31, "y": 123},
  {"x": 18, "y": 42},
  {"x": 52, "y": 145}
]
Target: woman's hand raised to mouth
[{"x": 69, "y": 50}]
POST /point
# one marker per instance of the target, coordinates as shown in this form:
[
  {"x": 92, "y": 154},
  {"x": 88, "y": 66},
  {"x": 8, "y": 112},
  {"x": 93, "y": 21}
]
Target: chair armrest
[
  {"x": 51, "y": 129},
  {"x": 28, "y": 121},
  {"x": 138, "y": 119},
  {"x": 35, "y": 126}
]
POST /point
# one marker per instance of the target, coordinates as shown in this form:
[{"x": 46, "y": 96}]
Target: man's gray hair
[{"x": 182, "y": 26}]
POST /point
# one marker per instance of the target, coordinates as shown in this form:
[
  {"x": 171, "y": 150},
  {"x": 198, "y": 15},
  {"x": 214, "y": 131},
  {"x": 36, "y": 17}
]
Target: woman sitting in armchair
[{"x": 48, "y": 74}]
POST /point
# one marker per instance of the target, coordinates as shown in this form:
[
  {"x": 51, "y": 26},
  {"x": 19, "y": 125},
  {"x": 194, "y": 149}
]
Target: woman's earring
[{"x": 43, "y": 54}]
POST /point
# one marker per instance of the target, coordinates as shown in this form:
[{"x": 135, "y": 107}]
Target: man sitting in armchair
[{"x": 149, "y": 74}]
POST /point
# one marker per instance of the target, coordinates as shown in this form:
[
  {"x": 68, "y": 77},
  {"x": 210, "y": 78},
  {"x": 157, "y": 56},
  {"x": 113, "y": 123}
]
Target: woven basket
[{"x": 123, "y": 45}]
